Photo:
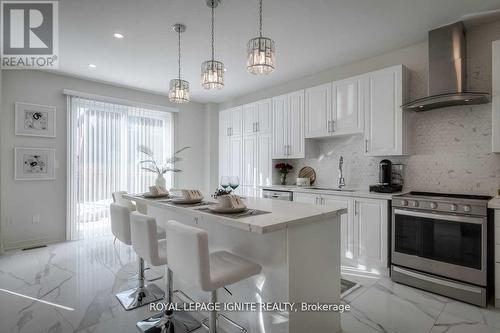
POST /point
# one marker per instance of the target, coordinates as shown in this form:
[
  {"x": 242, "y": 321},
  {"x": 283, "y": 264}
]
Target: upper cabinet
[
  {"x": 230, "y": 122},
  {"x": 318, "y": 112},
  {"x": 496, "y": 97},
  {"x": 386, "y": 124},
  {"x": 347, "y": 106},
  {"x": 288, "y": 126},
  {"x": 257, "y": 117},
  {"x": 335, "y": 108}
]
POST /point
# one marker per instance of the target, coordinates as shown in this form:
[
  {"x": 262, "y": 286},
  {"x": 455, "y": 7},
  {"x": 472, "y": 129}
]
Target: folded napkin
[
  {"x": 231, "y": 201},
  {"x": 192, "y": 194},
  {"x": 158, "y": 190}
]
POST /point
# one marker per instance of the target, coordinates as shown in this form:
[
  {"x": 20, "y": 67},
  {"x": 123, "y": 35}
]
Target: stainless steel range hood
[{"x": 447, "y": 72}]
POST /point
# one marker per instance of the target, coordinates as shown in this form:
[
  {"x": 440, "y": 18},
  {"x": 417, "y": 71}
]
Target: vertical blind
[{"x": 104, "y": 158}]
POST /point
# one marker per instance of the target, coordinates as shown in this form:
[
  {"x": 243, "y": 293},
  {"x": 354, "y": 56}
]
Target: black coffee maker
[{"x": 385, "y": 181}]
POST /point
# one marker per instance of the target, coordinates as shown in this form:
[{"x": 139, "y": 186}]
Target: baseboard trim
[{"x": 29, "y": 243}]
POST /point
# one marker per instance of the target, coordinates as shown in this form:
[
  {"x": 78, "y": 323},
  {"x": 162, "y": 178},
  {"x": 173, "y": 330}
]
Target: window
[{"x": 104, "y": 158}]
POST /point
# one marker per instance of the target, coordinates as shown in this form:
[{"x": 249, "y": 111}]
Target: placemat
[{"x": 247, "y": 213}]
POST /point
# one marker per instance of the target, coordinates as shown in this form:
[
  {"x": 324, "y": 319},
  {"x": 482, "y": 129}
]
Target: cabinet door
[
  {"x": 384, "y": 116},
  {"x": 348, "y": 106},
  {"x": 263, "y": 111},
  {"x": 236, "y": 121},
  {"x": 235, "y": 156},
  {"x": 224, "y": 123},
  {"x": 347, "y": 244},
  {"x": 249, "y": 118},
  {"x": 249, "y": 160},
  {"x": 223, "y": 157},
  {"x": 306, "y": 198},
  {"x": 279, "y": 124},
  {"x": 370, "y": 217},
  {"x": 296, "y": 140},
  {"x": 264, "y": 161},
  {"x": 318, "y": 104}
]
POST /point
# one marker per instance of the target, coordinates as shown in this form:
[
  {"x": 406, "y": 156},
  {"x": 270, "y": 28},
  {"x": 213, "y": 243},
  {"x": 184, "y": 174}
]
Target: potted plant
[
  {"x": 283, "y": 169},
  {"x": 152, "y": 165}
]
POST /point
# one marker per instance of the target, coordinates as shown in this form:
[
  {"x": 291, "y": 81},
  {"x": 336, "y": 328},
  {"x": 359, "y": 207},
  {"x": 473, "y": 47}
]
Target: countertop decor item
[
  {"x": 152, "y": 165},
  {"x": 308, "y": 172},
  {"x": 283, "y": 169},
  {"x": 179, "y": 89}
]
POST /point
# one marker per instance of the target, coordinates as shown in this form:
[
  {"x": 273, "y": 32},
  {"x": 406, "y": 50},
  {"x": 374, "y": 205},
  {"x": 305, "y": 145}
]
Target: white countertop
[
  {"x": 282, "y": 213},
  {"x": 345, "y": 192},
  {"x": 494, "y": 203}
]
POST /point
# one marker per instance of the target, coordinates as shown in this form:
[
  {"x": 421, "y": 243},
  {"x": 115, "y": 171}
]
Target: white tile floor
[{"x": 77, "y": 281}]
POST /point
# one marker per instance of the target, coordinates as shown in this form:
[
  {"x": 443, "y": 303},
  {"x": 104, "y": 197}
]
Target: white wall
[
  {"x": 20, "y": 200},
  {"x": 452, "y": 147}
]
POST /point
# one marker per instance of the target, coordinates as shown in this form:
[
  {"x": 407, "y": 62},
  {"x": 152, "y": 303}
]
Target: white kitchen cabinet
[
  {"x": 347, "y": 236},
  {"x": 264, "y": 161},
  {"x": 364, "y": 229},
  {"x": 497, "y": 256},
  {"x": 371, "y": 221},
  {"x": 235, "y": 121},
  {"x": 257, "y": 117},
  {"x": 386, "y": 124},
  {"x": 288, "y": 126},
  {"x": 230, "y": 142},
  {"x": 249, "y": 160},
  {"x": 348, "y": 106},
  {"x": 318, "y": 111},
  {"x": 496, "y": 97},
  {"x": 235, "y": 156},
  {"x": 256, "y": 160},
  {"x": 224, "y": 143}
]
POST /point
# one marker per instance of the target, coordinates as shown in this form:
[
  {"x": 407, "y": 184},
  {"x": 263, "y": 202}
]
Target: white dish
[
  {"x": 186, "y": 201},
  {"x": 227, "y": 210}
]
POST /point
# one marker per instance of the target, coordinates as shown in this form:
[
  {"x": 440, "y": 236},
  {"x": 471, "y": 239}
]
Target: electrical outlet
[{"x": 36, "y": 219}]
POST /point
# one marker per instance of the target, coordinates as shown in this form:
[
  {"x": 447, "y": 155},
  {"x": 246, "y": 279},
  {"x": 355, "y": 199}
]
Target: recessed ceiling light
[
  {"x": 92, "y": 66},
  {"x": 118, "y": 35}
]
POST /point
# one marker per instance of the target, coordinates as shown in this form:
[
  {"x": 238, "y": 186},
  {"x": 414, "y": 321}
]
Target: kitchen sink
[{"x": 329, "y": 189}]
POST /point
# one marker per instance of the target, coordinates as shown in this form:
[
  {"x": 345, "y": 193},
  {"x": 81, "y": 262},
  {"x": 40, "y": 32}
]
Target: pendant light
[
  {"x": 179, "y": 89},
  {"x": 212, "y": 71},
  {"x": 260, "y": 52}
]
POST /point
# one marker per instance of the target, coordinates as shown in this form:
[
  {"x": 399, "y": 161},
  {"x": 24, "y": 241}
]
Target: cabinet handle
[
  {"x": 257, "y": 125},
  {"x": 333, "y": 126},
  {"x": 231, "y": 131},
  {"x": 329, "y": 129},
  {"x": 355, "y": 208},
  {"x": 253, "y": 127},
  {"x": 366, "y": 145},
  {"x": 227, "y": 131}
]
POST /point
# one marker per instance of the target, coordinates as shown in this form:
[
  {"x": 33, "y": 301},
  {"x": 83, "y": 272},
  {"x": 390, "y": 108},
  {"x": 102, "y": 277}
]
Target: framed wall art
[
  {"x": 34, "y": 163},
  {"x": 35, "y": 120}
]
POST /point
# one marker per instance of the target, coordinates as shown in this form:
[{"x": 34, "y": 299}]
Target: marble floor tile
[{"x": 70, "y": 287}]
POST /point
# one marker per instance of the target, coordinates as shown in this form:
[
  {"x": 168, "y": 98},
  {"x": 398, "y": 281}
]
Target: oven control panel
[{"x": 466, "y": 208}]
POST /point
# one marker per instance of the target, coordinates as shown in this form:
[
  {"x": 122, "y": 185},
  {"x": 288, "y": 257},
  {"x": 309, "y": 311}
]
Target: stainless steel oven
[{"x": 440, "y": 244}]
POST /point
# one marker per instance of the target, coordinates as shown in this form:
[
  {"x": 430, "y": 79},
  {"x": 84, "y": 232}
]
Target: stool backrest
[
  {"x": 119, "y": 199},
  {"x": 187, "y": 253},
  {"x": 144, "y": 237},
  {"x": 120, "y": 222}
]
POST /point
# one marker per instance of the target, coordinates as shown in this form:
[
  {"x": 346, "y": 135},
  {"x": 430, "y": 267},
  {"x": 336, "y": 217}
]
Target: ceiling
[{"x": 310, "y": 36}]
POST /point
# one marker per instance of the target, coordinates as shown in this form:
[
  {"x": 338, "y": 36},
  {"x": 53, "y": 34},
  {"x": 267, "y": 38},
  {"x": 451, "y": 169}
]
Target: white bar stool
[
  {"x": 147, "y": 246},
  {"x": 207, "y": 271},
  {"x": 142, "y": 294}
]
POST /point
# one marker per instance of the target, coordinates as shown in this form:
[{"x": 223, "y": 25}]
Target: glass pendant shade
[
  {"x": 260, "y": 55},
  {"x": 212, "y": 74},
  {"x": 178, "y": 91}
]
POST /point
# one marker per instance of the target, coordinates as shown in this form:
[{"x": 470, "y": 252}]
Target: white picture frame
[
  {"x": 34, "y": 163},
  {"x": 35, "y": 120}
]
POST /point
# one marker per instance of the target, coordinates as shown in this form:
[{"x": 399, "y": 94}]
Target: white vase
[{"x": 160, "y": 181}]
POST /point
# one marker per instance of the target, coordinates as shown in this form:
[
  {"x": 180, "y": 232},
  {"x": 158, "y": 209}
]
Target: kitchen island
[{"x": 297, "y": 245}]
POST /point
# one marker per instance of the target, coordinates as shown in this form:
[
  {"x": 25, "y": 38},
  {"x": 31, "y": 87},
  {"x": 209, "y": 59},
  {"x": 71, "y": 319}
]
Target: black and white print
[
  {"x": 34, "y": 163},
  {"x": 35, "y": 120}
]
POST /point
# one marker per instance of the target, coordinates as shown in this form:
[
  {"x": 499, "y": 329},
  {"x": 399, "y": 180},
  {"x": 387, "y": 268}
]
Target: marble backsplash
[{"x": 451, "y": 152}]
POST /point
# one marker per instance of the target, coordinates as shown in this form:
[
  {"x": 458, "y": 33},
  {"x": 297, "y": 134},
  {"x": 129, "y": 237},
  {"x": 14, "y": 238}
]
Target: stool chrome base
[
  {"x": 137, "y": 297},
  {"x": 180, "y": 322},
  {"x": 206, "y": 324}
]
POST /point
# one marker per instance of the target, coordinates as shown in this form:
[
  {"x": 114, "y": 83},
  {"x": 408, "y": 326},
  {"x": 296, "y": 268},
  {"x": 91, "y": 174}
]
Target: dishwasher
[{"x": 277, "y": 194}]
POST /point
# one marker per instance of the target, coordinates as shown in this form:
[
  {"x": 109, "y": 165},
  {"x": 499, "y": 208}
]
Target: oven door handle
[{"x": 454, "y": 218}]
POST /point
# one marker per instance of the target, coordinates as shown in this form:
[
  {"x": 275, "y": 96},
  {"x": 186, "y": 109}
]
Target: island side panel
[
  {"x": 269, "y": 250},
  {"x": 314, "y": 273}
]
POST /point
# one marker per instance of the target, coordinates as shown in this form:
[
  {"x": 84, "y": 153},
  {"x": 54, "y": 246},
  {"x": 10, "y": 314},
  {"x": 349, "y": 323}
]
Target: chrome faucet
[{"x": 341, "y": 180}]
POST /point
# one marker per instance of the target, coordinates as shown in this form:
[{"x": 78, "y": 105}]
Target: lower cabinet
[{"x": 364, "y": 229}]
